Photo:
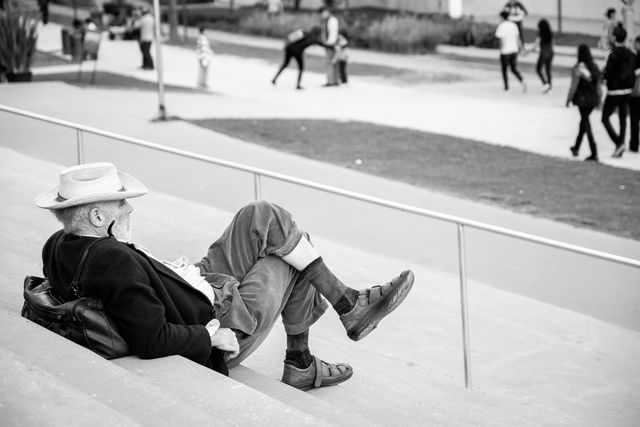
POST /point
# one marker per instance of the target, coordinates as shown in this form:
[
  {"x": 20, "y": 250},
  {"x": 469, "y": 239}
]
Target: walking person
[
  {"x": 507, "y": 33},
  {"x": 544, "y": 45},
  {"x": 607, "y": 40},
  {"x": 295, "y": 44},
  {"x": 517, "y": 12},
  {"x": 329, "y": 28},
  {"x": 204, "y": 53},
  {"x": 146, "y": 26},
  {"x": 620, "y": 76},
  {"x": 634, "y": 102},
  {"x": 585, "y": 93}
]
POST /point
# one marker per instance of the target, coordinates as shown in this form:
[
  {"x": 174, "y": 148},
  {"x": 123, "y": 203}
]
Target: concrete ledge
[{"x": 224, "y": 398}]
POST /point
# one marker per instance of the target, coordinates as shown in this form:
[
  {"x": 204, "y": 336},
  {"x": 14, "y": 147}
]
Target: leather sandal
[
  {"x": 374, "y": 304},
  {"x": 318, "y": 374}
]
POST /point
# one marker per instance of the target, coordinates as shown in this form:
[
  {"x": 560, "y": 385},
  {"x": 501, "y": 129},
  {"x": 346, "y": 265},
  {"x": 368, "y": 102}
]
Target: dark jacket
[
  {"x": 585, "y": 89},
  {"x": 619, "y": 71},
  {"x": 155, "y": 310}
]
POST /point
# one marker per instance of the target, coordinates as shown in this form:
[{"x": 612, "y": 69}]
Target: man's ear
[{"x": 97, "y": 216}]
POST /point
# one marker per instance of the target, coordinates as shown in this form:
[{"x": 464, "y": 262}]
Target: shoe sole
[{"x": 389, "y": 303}]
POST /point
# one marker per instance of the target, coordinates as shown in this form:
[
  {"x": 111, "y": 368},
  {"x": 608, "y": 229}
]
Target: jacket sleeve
[
  {"x": 575, "y": 80},
  {"x": 125, "y": 287}
]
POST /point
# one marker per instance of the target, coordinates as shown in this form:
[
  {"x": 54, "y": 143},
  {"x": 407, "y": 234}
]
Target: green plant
[
  {"x": 18, "y": 36},
  {"x": 405, "y": 34}
]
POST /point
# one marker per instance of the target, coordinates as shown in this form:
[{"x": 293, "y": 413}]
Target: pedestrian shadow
[{"x": 107, "y": 80}]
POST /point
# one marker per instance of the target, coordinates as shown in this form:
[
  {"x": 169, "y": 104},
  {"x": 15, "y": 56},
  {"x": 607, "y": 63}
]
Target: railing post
[
  {"x": 257, "y": 186},
  {"x": 80, "y": 148},
  {"x": 464, "y": 307}
]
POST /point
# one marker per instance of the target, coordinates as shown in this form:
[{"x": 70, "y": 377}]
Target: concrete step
[
  {"x": 33, "y": 397},
  {"x": 221, "y": 397},
  {"x": 387, "y": 389},
  {"x": 99, "y": 392},
  {"x": 301, "y": 400}
]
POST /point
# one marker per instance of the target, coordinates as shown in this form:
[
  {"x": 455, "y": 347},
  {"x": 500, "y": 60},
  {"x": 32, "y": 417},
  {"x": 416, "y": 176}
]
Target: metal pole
[
  {"x": 162, "y": 111},
  {"x": 257, "y": 186},
  {"x": 80, "y": 146},
  {"x": 464, "y": 306},
  {"x": 559, "y": 16},
  {"x": 184, "y": 21}
]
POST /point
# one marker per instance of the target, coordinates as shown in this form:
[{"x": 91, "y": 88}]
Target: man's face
[{"x": 120, "y": 212}]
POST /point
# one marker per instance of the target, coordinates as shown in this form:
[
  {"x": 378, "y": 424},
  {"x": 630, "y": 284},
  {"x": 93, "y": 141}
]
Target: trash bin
[{"x": 66, "y": 41}]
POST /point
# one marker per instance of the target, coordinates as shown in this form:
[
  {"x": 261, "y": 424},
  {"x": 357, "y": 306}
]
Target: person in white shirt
[
  {"x": 329, "y": 29},
  {"x": 146, "y": 26},
  {"x": 204, "y": 52},
  {"x": 509, "y": 35}
]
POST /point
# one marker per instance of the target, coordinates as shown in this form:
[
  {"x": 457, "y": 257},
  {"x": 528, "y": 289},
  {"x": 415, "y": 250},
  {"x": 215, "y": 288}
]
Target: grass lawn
[{"x": 588, "y": 195}]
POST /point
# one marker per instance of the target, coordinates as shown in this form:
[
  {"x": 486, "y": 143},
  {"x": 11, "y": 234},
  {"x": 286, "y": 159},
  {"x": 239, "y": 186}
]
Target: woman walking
[
  {"x": 585, "y": 93},
  {"x": 544, "y": 44}
]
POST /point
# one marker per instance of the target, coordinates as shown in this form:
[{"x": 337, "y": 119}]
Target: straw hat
[{"x": 91, "y": 182}]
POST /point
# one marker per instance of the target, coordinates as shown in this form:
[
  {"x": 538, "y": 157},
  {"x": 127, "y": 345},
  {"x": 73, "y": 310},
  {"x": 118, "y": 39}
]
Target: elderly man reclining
[{"x": 217, "y": 311}]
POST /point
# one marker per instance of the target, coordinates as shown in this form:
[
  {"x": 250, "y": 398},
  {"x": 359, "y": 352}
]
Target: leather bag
[{"x": 82, "y": 320}]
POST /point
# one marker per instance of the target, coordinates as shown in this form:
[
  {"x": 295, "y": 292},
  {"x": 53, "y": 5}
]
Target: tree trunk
[{"x": 173, "y": 22}]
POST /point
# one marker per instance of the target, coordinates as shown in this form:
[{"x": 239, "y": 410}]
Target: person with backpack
[
  {"x": 585, "y": 93},
  {"x": 620, "y": 76},
  {"x": 295, "y": 44}
]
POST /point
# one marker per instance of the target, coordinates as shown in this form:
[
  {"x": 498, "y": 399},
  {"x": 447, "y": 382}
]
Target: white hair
[{"x": 75, "y": 219}]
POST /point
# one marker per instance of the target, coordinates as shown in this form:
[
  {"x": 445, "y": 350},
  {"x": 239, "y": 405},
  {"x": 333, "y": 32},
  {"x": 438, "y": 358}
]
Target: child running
[{"x": 295, "y": 44}]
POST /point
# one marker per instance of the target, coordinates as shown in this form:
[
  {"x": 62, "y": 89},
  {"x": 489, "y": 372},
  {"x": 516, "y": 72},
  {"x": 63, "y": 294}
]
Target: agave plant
[{"x": 18, "y": 36}]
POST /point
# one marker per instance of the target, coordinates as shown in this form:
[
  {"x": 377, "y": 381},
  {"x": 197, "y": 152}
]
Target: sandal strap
[{"x": 318, "y": 363}]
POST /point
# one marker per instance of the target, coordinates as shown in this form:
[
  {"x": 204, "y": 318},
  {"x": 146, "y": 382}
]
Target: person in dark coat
[
  {"x": 296, "y": 43},
  {"x": 585, "y": 93},
  {"x": 620, "y": 77},
  {"x": 217, "y": 311},
  {"x": 634, "y": 103}
]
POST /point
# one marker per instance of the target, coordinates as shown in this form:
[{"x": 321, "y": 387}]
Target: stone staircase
[{"x": 534, "y": 364}]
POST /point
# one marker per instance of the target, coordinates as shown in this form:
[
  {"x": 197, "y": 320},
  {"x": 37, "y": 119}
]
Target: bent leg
[
  {"x": 623, "y": 108},
  {"x": 607, "y": 110},
  {"x": 269, "y": 289},
  {"x": 513, "y": 63},
  {"x": 539, "y": 65},
  {"x": 258, "y": 230},
  {"x": 503, "y": 68},
  {"x": 299, "y": 59}
]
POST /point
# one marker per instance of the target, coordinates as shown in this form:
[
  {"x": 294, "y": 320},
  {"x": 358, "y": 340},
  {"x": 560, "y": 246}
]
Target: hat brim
[{"x": 131, "y": 188}]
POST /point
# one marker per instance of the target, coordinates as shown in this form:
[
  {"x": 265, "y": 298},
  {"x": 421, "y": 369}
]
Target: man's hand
[{"x": 225, "y": 339}]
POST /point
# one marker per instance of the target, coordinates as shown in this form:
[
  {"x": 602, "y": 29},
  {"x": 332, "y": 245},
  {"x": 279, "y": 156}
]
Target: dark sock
[
  {"x": 299, "y": 359},
  {"x": 346, "y": 302},
  {"x": 321, "y": 278}
]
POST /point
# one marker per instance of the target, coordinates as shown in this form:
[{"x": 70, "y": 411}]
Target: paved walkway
[{"x": 472, "y": 106}]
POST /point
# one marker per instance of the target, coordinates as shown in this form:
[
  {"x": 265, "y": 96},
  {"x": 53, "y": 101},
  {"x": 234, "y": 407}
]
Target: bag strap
[{"x": 75, "y": 283}]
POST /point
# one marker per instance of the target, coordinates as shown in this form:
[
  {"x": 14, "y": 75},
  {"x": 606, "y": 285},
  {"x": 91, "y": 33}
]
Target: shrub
[
  {"x": 260, "y": 23},
  {"x": 405, "y": 34},
  {"x": 18, "y": 36}
]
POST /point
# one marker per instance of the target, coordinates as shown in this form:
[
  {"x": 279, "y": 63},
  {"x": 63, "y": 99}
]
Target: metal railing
[{"x": 258, "y": 173}]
